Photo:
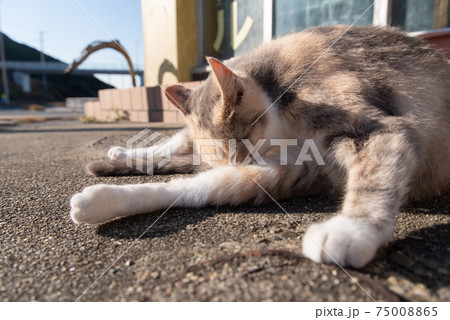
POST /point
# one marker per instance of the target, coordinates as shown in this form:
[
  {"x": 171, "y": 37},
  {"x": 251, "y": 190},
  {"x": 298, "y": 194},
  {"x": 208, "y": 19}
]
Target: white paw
[
  {"x": 345, "y": 241},
  {"x": 117, "y": 153},
  {"x": 96, "y": 204}
]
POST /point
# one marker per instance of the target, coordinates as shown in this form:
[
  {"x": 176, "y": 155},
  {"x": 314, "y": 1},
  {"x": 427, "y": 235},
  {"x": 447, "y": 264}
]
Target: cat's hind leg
[
  {"x": 378, "y": 178},
  {"x": 174, "y": 155},
  {"x": 178, "y": 143}
]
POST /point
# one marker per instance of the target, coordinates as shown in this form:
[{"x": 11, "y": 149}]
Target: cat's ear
[
  {"x": 229, "y": 83},
  {"x": 178, "y": 95}
]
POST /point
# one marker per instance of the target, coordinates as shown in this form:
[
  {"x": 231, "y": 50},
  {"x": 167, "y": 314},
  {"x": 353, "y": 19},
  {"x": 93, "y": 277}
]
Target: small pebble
[
  {"x": 443, "y": 271},
  {"x": 288, "y": 234},
  {"x": 401, "y": 259},
  {"x": 129, "y": 263},
  {"x": 397, "y": 289}
]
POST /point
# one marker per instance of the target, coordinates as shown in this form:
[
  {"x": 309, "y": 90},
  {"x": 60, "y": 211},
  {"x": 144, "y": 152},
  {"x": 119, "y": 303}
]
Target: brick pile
[{"x": 141, "y": 104}]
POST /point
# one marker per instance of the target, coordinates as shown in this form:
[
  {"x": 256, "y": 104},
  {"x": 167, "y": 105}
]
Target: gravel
[{"x": 210, "y": 254}]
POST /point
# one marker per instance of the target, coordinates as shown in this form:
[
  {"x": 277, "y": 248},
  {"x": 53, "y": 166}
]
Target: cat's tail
[{"x": 114, "y": 168}]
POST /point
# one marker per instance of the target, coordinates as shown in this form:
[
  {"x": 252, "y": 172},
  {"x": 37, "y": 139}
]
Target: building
[{"x": 178, "y": 34}]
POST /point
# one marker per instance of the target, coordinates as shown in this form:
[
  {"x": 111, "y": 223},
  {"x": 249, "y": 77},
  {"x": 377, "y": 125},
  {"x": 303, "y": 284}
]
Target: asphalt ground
[{"x": 210, "y": 254}]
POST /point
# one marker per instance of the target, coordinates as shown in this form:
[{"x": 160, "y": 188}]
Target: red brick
[
  {"x": 106, "y": 98},
  {"x": 155, "y": 115},
  {"x": 154, "y": 98},
  {"x": 170, "y": 117},
  {"x": 97, "y": 113},
  {"x": 180, "y": 118},
  {"x": 89, "y": 109},
  {"x": 138, "y": 116},
  {"x": 107, "y": 115},
  {"x": 125, "y": 99},
  {"x": 115, "y": 99},
  {"x": 143, "y": 104},
  {"x": 137, "y": 102}
]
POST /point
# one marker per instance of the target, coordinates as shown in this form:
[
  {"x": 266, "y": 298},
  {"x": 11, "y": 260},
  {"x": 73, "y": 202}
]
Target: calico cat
[{"x": 374, "y": 102}]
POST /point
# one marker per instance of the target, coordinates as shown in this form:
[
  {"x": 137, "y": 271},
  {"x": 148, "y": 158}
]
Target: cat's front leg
[
  {"x": 345, "y": 240},
  {"x": 97, "y": 203},
  {"x": 230, "y": 185},
  {"x": 102, "y": 202},
  {"x": 377, "y": 182}
]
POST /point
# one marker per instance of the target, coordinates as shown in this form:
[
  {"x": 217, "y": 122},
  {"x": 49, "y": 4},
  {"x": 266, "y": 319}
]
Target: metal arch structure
[{"x": 99, "y": 45}]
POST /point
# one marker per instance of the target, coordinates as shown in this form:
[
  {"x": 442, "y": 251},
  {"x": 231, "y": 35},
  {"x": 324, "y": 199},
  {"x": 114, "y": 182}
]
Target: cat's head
[{"x": 228, "y": 105}]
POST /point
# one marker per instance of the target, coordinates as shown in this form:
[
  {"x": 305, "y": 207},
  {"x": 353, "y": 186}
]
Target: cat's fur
[{"x": 376, "y": 103}]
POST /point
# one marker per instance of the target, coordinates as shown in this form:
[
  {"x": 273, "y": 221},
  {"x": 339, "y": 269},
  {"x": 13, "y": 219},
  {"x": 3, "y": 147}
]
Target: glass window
[
  {"x": 233, "y": 26},
  {"x": 291, "y": 16},
  {"x": 416, "y": 15}
]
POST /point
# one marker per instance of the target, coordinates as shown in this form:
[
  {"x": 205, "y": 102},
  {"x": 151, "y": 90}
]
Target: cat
[{"x": 374, "y": 101}]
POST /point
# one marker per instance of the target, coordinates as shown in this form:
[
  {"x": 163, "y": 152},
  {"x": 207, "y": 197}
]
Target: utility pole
[
  {"x": 5, "y": 96},
  {"x": 44, "y": 75}
]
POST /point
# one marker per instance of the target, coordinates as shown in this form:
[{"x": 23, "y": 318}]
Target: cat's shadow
[
  {"x": 427, "y": 246},
  {"x": 421, "y": 256},
  {"x": 160, "y": 223},
  {"x": 426, "y": 249},
  {"x": 174, "y": 220}
]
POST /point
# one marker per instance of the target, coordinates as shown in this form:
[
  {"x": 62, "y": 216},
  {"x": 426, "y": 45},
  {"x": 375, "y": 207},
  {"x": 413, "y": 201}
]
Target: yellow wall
[{"x": 169, "y": 40}]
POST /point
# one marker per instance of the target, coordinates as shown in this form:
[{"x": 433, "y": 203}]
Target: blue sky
[{"x": 68, "y": 29}]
